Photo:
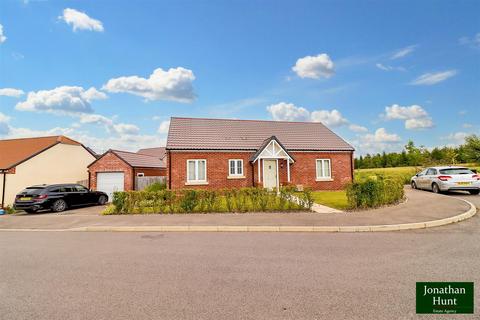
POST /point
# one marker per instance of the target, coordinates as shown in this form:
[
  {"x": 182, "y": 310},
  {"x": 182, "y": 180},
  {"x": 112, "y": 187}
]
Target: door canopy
[{"x": 272, "y": 149}]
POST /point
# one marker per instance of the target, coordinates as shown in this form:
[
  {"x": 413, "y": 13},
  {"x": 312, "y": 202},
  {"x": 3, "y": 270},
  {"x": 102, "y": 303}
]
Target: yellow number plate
[
  {"x": 25, "y": 199},
  {"x": 464, "y": 183}
]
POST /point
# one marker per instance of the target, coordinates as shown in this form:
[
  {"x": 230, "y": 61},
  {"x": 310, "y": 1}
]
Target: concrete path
[{"x": 421, "y": 206}]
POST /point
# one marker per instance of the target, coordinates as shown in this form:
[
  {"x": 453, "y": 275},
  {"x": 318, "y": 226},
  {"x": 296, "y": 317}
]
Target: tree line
[{"x": 411, "y": 155}]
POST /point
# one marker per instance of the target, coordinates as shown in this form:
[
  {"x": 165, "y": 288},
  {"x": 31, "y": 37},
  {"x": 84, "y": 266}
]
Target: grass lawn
[
  {"x": 333, "y": 199},
  {"x": 404, "y": 173}
]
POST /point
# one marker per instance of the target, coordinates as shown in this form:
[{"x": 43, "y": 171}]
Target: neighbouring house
[
  {"x": 158, "y": 152},
  {"x": 220, "y": 153},
  {"x": 43, "y": 160},
  {"x": 119, "y": 171}
]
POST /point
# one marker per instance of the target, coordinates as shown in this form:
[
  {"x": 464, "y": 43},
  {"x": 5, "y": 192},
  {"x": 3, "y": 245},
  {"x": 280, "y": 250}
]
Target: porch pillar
[
  {"x": 288, "y": 170},
  {"x": 259, "y": 172},
  {"x": 278, "y": 179}
]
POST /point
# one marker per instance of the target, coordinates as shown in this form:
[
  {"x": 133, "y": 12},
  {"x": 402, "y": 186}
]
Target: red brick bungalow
[
  {"x": 116, "y": 170},
  {"x": 220, "y": 153}
]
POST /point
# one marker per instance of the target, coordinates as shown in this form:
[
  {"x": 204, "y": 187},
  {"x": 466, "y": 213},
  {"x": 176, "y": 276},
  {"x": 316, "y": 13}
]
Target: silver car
[{"x": 442, "y": 179}]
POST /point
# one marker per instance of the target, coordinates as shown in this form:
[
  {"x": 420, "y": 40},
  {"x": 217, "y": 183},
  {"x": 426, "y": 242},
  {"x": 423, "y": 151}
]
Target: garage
[
  {"x": 109, "y": 182},
  {"x": 117, "y": 170}
]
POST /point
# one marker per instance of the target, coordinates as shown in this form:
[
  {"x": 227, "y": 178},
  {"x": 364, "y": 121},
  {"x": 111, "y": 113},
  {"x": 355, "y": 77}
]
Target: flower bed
[{"x": 205, "y": 201}]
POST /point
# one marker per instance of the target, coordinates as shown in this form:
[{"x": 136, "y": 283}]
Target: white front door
[
  {"x": 269, "y": 174},
  {"x": 109, "y": 182}
]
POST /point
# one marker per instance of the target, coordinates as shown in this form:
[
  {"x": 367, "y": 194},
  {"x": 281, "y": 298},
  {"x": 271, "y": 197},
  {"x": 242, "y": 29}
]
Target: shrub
[
  {"x": 374, "y": 192},
  {"x": 119, "y": 199},
  {"x": 189, "y": 200},
  {"x": 307, "y": 198},
  {"x": 210, "y": 200},
  {"x": 9, "y": 210},
  {"x": 156, "y": 186},
  {"x": 110, "y": 209}
]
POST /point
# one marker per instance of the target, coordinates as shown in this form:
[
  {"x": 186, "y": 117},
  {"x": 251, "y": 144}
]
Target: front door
[{"x": 269, "y": 174}]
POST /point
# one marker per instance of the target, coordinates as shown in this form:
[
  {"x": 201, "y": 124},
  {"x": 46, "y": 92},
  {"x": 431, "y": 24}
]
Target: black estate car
[{"x": 57, "y": 197}]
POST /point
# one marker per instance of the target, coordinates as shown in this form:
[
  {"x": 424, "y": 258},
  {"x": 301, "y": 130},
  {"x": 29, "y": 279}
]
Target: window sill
[
  {"x": 236, "y": 177},
  {"x": 196, "y": 183},
  {"x": 323, "y": 179}
]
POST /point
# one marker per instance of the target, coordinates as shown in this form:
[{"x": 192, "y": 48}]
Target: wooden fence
[{"x": 142, "y": 182}]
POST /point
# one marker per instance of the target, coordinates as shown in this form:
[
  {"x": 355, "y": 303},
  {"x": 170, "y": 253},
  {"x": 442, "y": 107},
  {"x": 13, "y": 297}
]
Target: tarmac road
[{"x": 68, "y": 275}]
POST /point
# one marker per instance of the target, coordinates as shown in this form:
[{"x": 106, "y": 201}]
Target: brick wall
[
  {"x": 302, "y": 172},
  {"x": 111, "y": 163},
  {"x": 217, "y": 169}
]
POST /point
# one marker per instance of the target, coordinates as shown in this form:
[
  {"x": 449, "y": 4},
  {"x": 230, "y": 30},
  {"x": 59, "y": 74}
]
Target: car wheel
[
  {"x": 59, "y": 205},
  {"x": 435, "y": 188},
  {"x": 474, "y": 191},
  {"x": 414, "y": 185},
  {"x": 102, "y": 200}
]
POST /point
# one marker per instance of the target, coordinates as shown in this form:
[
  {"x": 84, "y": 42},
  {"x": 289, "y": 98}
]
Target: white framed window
[
  {"x": 197, "y": 170},
  {"x": 235, "y": 167},
  {"x": 324, "y": 169},
  {"x": 140, "y": 174}
]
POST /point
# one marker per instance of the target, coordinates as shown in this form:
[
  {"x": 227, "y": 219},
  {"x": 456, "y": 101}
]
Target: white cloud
[
  {"x": 2, "y": 35},
  {"x": 417, "y": 124},
  {"x": 398, "y": 112},
  {"x": 389, "y": 68},
  {"x": 379, "y": 141},
  {"x": 429, "y": 79},
  {"x": 314, "y": 67},
  {"x": 4, "y": 127},
  {"x": 467, "y": 125},
  {"x": 80, "y": 20},
  {"x": 456, "y": 138},
  {"x": 288, "y": 112},
  {"x": 473, "y": 41},
  {"x": 403, "y": 52},
  {"x": 61, "y": 100},
  {"x": 126, "y": 128},
  {"x": 174, "y": 84},
  {"x": 11, "y": 92},
  {"x": 109, "y": 124},
  {"x": 164, "y": 126},
  {"x": 357, "y": 128},
  {"x": 415, "y": 116},
  {"x": 129, "y": 142},
  {"x": 332, "y": 118},
  {"x": 382, "y": 136}
]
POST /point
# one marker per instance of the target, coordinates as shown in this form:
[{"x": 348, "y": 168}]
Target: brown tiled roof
[
  {"x": 154, "y": 152},
  {"x": 16, "y": 151},
  {"x": 226, "y": 134},
  {"x": 139, "y": 160}
]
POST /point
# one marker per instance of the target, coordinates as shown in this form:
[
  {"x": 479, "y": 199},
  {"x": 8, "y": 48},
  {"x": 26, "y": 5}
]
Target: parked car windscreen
[
  {"x": 456, "y": 171},
  {"x": 33, "y": 191}
]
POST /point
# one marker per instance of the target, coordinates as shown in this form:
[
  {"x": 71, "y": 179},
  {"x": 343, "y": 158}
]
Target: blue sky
[{"x": 111, "y": 73}]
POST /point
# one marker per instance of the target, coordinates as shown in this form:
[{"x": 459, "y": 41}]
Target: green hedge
[
  {"x": 204, "y": 201},
  {"x": 374, "y": 192}
]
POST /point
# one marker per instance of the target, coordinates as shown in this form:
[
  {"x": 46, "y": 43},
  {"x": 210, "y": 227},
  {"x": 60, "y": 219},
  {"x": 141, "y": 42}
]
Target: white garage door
[{"x": 110, "y": 182}]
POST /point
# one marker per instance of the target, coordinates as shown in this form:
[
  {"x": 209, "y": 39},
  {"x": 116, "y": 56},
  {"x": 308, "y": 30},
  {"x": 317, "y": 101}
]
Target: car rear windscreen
[
  {"x": 456, "y": 171},
  {"x": 33, "y": 191}
]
